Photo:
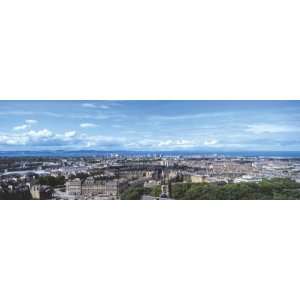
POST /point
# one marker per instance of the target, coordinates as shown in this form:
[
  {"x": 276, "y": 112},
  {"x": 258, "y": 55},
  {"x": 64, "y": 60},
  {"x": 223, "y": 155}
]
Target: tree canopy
[
  {"x": 277, "y": 188},
  {"x": 51, "y": 180}
]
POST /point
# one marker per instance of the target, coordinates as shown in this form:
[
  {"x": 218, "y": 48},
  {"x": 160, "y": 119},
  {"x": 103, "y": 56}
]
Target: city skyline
[{"x": 150, "y": 125}]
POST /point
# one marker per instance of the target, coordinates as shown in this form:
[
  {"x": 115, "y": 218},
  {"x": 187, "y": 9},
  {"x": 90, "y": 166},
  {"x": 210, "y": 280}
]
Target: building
[
  {"x": 198, "y": 179},
  {"x": 40, "y": 192},
  {"x": 91, "y": 187},
  {"x": 165, "y": 191},
  {"x": 151, "y": 183},
  {"x": 73, "y": 187},
  {"x": 149, "y": 174}
]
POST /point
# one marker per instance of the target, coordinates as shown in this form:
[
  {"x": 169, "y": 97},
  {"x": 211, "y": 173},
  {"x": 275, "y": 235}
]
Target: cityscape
[{"x": 149, "y": 150}]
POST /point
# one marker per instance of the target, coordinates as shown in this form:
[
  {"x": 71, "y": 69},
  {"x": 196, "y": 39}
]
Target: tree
[
  {"x": 277, "y": 188},
  {"x": 52, "y": 181},
  {"x": 155, "y": 191},
  {"x": 133, "y": 193}
]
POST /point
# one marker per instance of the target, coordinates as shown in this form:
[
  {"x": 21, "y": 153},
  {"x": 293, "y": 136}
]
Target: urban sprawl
[{"x": 146, "y": 177}]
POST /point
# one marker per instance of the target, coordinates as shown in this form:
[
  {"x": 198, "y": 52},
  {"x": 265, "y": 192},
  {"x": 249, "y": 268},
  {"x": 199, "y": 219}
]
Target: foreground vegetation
[
  {"x": 136, "y": 193},
  {"x": 277, "y": 188},
  {"x": 52, "y": 180}
]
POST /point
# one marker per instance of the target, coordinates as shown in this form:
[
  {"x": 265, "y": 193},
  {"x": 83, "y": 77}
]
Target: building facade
[
  {"x": 73, "y": 187},
  {"x": 40, "y": 192},
  {"x": 91, "y": 187}
]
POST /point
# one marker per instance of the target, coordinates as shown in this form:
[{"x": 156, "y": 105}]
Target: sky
[{"x": 150, "y": 125}]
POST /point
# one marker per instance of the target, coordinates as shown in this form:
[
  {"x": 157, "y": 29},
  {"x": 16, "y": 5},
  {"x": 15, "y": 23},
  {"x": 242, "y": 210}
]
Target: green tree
[
  {"x": 133, "y": 193},
  {"x": 51, "y": 180},
  {"x": 155, "y": 191},
  {"x": 277, "y": 188}
]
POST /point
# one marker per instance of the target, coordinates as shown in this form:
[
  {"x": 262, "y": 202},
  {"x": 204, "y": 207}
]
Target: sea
[{"x": 125, "y": 153}]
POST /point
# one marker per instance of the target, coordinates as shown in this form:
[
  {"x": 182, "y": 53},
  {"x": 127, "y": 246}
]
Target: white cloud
[
  {"x": 26, "y": 138},
  {"x": 87, "y": 125},
  {"x": 21, "y": 127},
  {"x": 70, "y": 134},
  {"x": 30, "y": 121},
  {"x": 27, "y": 125},
  {"x": 187, "y": 117},
  {"x": 92, "y": 105},
  {"x": 88, "y": 105},
  {"x": 162, "y": 144},
  {"x": 269, "y": 128},
  {"x": 47, "y": 138},
  {"x": 210, "y": 142},
  {"x": 13, "y": 140},
  {"x": 176, "y": 143},
  {"x": 44, "y": 133}
]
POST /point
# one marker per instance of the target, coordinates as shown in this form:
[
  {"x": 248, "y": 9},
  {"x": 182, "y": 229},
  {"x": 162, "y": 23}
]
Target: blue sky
[{"x": 150, "y": 125}]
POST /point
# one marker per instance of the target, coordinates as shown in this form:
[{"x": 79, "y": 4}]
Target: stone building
[
  {"x": 91, "y": 187},
  {"x": 40, "y": 192},
  {"x": 73, "y": 187},
  {"x": 165, "y": 191},
  {"x": 198, "y": 178}
]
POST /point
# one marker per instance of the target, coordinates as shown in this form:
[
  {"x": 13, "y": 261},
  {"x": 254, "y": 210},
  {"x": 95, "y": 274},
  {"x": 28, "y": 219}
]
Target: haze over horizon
[{"x": 150, "y": 125}]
